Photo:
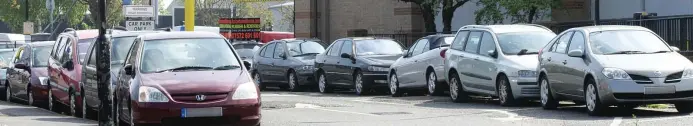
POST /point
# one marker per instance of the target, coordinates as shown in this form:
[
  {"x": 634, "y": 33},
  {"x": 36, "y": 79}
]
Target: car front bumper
[
  {"x": 40, "y": 93},
  {"x": 524, "y": 87},
  {"x": 306, "y": 78},
  {"x": 240, "y": 112},
  {"x": 627, "y": 91},
  {"x": 375, "y": 79}
]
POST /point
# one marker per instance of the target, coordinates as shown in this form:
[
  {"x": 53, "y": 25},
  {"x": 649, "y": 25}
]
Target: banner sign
[{"x": 240, "y": 28}]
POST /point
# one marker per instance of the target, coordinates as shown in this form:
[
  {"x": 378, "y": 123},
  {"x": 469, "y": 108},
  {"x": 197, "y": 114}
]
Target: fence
[{"x": 407, "y": 39}]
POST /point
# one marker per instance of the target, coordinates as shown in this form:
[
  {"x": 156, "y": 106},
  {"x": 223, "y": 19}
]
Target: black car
[
  {"x": 356, "y": 63},
  {"x": 287, "y": 63},
  {"x": 27, "y": 78},
  {"x": 121, "y": 41},
  {"x": 246, "y": 50}
]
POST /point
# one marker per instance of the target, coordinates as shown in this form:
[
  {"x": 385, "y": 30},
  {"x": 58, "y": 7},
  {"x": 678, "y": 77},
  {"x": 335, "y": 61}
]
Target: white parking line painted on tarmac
[
  {"x": 661, "y": 119},
  {"x": 511, "y": 116},
  {"x": 617, "y": 121},
  {"x": 311, "y": 106},
  {"x": 368, "y": 101}
]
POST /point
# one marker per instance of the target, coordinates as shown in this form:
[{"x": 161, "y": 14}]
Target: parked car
[
  {"x": 27, "y": 80},
  {"x": 419, "y": 67},
  {"x": 121, "y": 41},
  {"x": 173, "y": 77},
  {"x": 246, "y": 50},
  {"x": 625, "y": 66},
  {"x": 495, "y": 60},
  {"x": 65, "y": 69},
  {"x": 360, "y": 63},
  {"x": 6, "y": 57},
  {"x": 287, "y": 63}
]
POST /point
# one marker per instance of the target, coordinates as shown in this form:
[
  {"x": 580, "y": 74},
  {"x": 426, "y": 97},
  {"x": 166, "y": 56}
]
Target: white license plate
[
  {"x": 201, "y": 112},
  {"x": 660, "y": 90},
  {"x": 380, "y": 81}
]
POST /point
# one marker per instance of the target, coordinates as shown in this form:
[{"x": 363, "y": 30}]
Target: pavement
[{"x": 281, "y": 108}]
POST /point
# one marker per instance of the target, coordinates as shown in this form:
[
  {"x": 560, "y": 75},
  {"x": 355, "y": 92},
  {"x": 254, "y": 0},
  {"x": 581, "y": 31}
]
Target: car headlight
[
  {"x": 687, "y": 73},
  {"x": 527, "y": 73},
  {"x": 376, "y": 68},
  {"x": 43, "y": 80},
  {"x": 306, "y": 67},
  {"x": 151, "y": 94},
  {"x": 245, "y": 91},
  {"x": 616, "y": 74}
]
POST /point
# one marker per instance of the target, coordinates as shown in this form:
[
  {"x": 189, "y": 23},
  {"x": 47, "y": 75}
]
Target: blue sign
[{"x": 127, "y": 2}]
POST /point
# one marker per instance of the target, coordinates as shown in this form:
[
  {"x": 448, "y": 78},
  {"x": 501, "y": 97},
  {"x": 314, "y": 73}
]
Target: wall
[{"x": 614, "y": 9}]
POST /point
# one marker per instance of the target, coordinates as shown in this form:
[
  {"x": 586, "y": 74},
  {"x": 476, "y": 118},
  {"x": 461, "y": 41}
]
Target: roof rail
[
  {"x": 535, "y": 25},
  {"x": 68, "y": 30},
  {"x": 474, "y": 26}
]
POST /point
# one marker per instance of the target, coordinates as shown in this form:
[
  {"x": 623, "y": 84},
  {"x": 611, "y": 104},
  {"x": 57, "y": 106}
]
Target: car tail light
[
  {"x": 540, "y": 50},
  {"x": 442, "y": 53}
]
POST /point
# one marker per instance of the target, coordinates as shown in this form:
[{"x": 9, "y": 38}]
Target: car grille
[
  {"x": 673, "y": 78},
  {"x": 681, "y": 94},
  {"x": 209, "y": 97},
  {"x": 640, "y": 79},
  {"x": 529, "y": 90}
]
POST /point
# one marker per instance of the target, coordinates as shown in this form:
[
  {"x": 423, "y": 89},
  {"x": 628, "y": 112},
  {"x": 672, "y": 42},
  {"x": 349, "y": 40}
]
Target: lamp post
[{"x": 103, "y": 67}]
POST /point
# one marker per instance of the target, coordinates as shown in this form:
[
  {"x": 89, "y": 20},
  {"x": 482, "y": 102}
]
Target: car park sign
[
  {"x": 138, "y": 11},
  {"x": 139, "y": 25}
]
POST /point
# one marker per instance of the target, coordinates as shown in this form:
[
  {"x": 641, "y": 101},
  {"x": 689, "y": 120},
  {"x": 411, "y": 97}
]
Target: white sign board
[
  {"x": 28, "y": 28},
  {"x": 139, "y": 25},
  {"x": 138, "y": 11}
]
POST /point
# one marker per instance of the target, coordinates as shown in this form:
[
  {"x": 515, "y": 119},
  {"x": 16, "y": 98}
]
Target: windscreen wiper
[
  {"x": 305, "y": 54},
  {"x": 186, "y": 68},
  {"x": 227, "y": 67},
  {"x": 626, "y": 52},
  {"x": 663, "y": 51}
]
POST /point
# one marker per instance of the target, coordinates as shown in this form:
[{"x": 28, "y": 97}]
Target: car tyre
[
  {"x": 394, "y": 86},
  {"x": 8, "y": 93},
  {"x": 432, "y": 84},
  {"x": 505, "y": 92},
  {"x": 684, "y": 107},
  {"x": 258, "y": 81},
  {"x": 86, "y": 111},
  {"x": 30, "y": 95},
  {"x": 457, "y": 93},
  {"x": 546, "y": 97},
  {"x": 73, "y": 106},
  {"x": 359, "y": 86},
  {"x": 594, "y": 105},
  {"x": 323, "y": 86},
  {"x": 52, "y": 103},
  {"x": 293, "y": 85}
]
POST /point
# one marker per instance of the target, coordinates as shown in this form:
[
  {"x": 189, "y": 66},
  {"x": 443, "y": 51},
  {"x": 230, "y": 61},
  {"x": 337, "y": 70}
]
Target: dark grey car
[
  {"x": 625, "y": 66},
  {"x": 246, "y": 50},
  {"x": 286, "y": 63}
]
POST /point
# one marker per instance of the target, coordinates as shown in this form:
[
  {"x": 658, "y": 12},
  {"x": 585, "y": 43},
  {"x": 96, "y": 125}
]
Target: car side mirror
[
  {"x": 247, "y": 65},
  {"x": 68, "y": 65},
  {"x": 21, "y": 66},
  {"x": 128, "y": 69},
  {"x": 576, "y": 53},
  {"x": 676, "y": 49},
  {"x": 345, "y": 55},
  {"x": 283, "y": 55},
  {"x": 492, "y": 53}
]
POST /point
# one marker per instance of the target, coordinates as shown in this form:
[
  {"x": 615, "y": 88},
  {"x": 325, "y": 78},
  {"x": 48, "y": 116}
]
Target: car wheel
[
  {"x": 547, "y": 100},
  {"x": 505, "y": 92},
  {"x": 52, "y": 104},
  {"x": 432, "y": 84},
  {"x": 258, "y": 81},
  {"x": 30, "y": 95},
  {"x": 322, "y": 84},
  {"x": 394, "y": 86},
  {"x": 116, "y": 114},
  {"x": 594, "y": 106},
  {"x": 358, "y": 83},
  {"x": 457, "y": 93},
  {"x": 132, "y": 118},
  {"x": 85, "y": 108},
  {"x": 73, "y": 105},
  {"x": 293, "y": 81},
  {"x": 8, "y": 93},
  {"x": 684, "y": 107}
]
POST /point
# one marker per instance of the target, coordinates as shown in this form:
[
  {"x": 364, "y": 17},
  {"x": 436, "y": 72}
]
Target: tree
[
  {"x": 114, "y": 11},
  {"x": 429, "y": 9},
  {"x": 287, "y": 17},
  {"x": 518, "y": 11},
  {"x": 162, "y": 8},
  {"x": 14, "y": 15},
  {"x": 255, "y": 10},
  {"x": 449, "y": 7},
  {"x": 208, "y": 12}
]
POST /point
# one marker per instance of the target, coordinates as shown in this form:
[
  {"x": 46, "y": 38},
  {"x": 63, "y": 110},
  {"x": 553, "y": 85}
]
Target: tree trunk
[
  {"x": 429, "y": 18},
  {"x": 532, "y": 13},
  {"x": 448, "y": 13}
]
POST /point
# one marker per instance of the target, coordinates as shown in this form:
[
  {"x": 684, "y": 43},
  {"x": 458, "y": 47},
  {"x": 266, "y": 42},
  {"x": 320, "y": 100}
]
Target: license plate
[
  {"x": 660, "y": 90},
  {"x": 380, "y": 81},
  {"x": 201, "y": 112}
]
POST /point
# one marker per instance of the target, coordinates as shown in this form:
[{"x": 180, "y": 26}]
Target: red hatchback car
[
  {"x": 65, "y": 69},
  {"x": 185, "y": 78}
]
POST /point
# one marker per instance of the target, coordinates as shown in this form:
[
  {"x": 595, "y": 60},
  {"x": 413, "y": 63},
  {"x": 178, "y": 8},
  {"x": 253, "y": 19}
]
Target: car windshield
[
  {"x": 378, "y": 47},
  {"x": 41, "y": 54},
  {"x": 119, "y": 48},
  {"x": 515, "y": 42},
  {"x": 171, "y": 55},
  {"x": 448, "y": 40},
  {"x": 625, "y": 42},
  {"x": 6, "y": 58},
  {"x": 304, "y": 48},
  {"x": 246, "y": 50},
  {"x": 82, "y": 47}
]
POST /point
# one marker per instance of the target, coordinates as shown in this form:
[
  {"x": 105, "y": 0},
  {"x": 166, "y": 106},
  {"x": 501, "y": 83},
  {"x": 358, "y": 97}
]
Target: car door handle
[{"x": 565, "y": 62}]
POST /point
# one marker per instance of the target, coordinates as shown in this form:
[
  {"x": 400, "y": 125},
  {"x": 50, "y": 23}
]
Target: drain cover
[{"x": 390, "y": 113}]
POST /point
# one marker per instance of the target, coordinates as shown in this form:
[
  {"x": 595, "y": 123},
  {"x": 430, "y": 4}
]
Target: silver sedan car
[{"x": 625, "y": 66}]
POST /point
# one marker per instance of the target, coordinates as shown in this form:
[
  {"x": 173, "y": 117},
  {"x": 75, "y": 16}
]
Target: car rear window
[{"x": 82, "y": 47}]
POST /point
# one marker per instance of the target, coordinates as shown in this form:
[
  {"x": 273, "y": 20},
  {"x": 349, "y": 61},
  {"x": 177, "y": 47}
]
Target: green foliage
[
  {"x": 14, "y": 15},
  {"x": 114, "y": 14},
  {"x": 518, "y": 11},
  {"x": 255, "y": 10}
]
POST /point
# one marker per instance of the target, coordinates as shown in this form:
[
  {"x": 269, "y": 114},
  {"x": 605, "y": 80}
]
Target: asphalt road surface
[{"x": 280, "y": 108}]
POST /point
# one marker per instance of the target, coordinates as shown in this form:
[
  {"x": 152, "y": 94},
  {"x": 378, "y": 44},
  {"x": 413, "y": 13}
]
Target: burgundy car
[
  {"x": 185, "y": 77},
  {"x": 65, "y": 69},
  {"x": 27, "y": 79}
]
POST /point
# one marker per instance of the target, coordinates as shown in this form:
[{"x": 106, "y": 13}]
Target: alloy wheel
[
  {"x": 292, "y": 81},
  {"x": 432, "y": 83},
  {"x": 73, "y": 106},
  {"x": 84, "y": 107},
  {"x": 393, "y": 84},
  {"x": 321, "y": 83},
  {"x": 50, "y": 100},
  {"x": 132, "y": 117},
  {"x": 591, "y": 97},
  {"x": 502, "y": 91},
  {"x": 31, "y": 97},
  {"x": 453, "y": 88},
  {"x": 8, "y": 93},
  {"x": 257, "y": 80},
  {"x": 358, "y": 82},
  {"x": 544, "y": 91}
]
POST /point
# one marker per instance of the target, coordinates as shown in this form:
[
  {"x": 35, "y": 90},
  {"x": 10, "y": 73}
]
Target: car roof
[
  {"x": 117, "y": 34},
  {"x": 180, "y": 35},
  {"x": 86, "y": 34},
  {"x": 609, "y": 28},
  {"x": 8, "y": 50},
  {"x": 508, "y": 28},
  {"x": 41, "y": 43}
]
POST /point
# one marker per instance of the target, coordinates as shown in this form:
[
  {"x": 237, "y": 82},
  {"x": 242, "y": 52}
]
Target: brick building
[{"x": 329, "y": 20}]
